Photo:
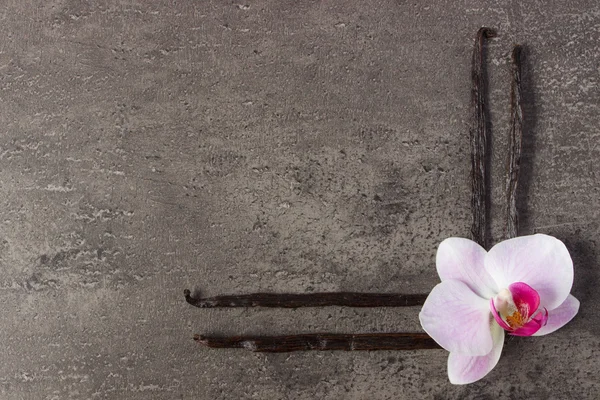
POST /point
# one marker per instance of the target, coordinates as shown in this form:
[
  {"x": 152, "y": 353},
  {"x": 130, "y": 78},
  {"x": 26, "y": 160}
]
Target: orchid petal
[
  {"x": 540, "y": 260},
  {"x": 526, "y": 299},
  {"x": 463, "y": 369},
  {"x": 463, "y": 260},
  {"x": 534, "y": 325},
  {"x": 457, "y": 319},
  {"x": 559, "y": 317}
]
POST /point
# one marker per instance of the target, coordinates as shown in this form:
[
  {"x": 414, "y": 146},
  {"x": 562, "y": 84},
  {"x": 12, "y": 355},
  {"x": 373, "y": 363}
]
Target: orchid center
[
  {"x": 508, "y": 311},
  {"x": 517, "y": 309}
]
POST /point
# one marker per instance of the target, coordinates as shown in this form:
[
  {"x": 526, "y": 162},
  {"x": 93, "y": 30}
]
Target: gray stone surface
[{"x": 151, "y": 146}]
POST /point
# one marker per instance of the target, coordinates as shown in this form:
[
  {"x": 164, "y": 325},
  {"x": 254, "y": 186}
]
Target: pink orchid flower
[{"x": 521, "y": 286}]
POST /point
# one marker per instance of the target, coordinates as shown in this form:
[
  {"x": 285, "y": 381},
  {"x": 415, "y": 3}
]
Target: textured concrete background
[{"x": 148, "y": 147}]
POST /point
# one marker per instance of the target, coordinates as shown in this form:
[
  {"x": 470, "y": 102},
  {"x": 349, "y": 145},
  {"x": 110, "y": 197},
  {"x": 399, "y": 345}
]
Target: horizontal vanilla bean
[
  {"x": 515, "y": 145},
  {"x": 322, "y": 341},
  {"x": 478, "y": 135},
  {"x": 293, "y": 300}
]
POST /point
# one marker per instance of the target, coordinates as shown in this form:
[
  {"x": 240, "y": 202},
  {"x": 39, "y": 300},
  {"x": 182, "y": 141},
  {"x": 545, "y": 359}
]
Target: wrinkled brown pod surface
[{"x": 322, "y": 342}]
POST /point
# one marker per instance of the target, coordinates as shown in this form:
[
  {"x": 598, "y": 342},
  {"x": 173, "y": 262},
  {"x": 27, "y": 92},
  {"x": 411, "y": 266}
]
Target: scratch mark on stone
[{"x": 55, "y": 188}]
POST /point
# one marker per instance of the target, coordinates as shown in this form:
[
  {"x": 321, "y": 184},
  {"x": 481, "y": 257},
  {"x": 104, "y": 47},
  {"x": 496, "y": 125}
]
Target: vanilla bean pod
[
  {"x": 479, "y": 138},
  {"x": 322, "y": 341},
  {"x": 293, "y": 300},
  {"x": 515, "y": 144}
]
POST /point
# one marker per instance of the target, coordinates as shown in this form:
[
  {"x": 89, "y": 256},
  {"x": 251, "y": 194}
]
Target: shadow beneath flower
[{"x": 587, "y": 278}]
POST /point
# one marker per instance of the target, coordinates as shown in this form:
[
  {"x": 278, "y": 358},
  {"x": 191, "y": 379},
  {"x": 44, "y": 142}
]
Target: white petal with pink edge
[
  {"x": 463, "y": 369},
  {"x": 560, "y": 316},
  {"x": 457, "y": 319},
  {"x": 463, "y": 260},
  {"x": 543, "y": 262}
]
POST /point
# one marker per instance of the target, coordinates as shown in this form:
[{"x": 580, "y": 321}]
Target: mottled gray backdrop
[{"x": 151, "y": 146}]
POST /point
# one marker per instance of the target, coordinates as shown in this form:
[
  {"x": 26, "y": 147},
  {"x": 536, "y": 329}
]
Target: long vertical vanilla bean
[
  {"x": 515, "y": 145},
  {"x": 478, "y": 135}
]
